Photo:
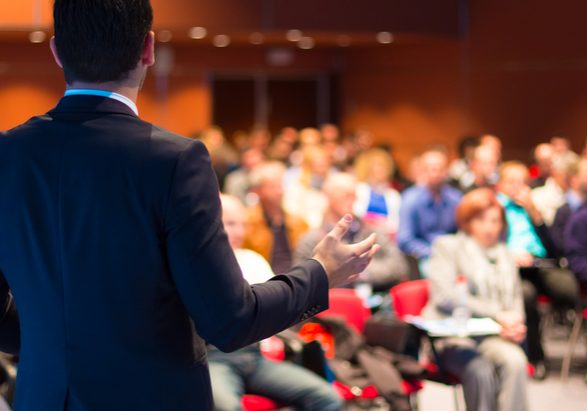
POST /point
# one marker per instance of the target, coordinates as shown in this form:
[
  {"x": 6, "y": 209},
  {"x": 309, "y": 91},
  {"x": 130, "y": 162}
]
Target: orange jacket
[{"x": 259, "y": 238}]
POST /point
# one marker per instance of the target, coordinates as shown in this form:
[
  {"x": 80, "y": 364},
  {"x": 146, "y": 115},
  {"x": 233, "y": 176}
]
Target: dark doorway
[{"x": 273, "y": 102}]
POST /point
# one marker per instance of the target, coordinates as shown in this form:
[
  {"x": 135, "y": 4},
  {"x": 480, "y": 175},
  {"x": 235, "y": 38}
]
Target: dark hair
[
  {"x": 100, "y": 40},
  {"x": 467, "y": 142}
]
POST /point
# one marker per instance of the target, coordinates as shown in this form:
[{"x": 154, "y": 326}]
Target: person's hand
[
  {"x": 512, "y": 326},
  {"x": 524, "y": 199},
  {"x": 344, "y": 262},
  {"x": 523, "y": 259}
]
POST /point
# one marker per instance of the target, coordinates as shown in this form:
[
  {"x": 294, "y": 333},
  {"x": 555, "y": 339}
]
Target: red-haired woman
[{"x": 492, "y": 369}]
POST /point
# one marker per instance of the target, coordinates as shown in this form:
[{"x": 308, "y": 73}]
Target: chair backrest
[
  {"x": 344, "y": 302},
  {"x": 410, "y": 297}
]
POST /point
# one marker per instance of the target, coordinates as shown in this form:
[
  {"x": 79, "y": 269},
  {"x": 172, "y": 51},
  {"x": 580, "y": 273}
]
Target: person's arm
[
  {"x": 443, "y": 272},
  {"x": 576, "y": 246},
  {"x": 406, "y": 238},
  {"x": 557, "y": 229},
  {"x": 524, "y": 199},
  {"x": 227, "y": 312},
  {"x": 9, "y": 323}
]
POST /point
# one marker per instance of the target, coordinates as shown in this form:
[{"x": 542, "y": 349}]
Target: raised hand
[{"x": 344, "y": 262}]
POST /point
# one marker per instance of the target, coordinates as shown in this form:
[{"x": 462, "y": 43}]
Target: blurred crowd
[{"x": 516, "y": 232}]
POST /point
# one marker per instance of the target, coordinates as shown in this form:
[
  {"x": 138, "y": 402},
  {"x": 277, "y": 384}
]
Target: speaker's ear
[{"x": 55, "y": 52}]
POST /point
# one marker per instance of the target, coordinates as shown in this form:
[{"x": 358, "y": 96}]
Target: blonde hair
[
  {"x": 310, "y": 154},
  {"x": 509, "y": 165},
  {"x": 366, "y": 159}
]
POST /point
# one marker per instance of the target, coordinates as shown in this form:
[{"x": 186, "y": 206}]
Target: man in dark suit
[{"x": 112, "y": 242}]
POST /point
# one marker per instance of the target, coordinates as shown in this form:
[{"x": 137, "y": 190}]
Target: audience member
[
  {"x": 232, "y": 373},
  {"x": 388, "y": 266},
  {"x": 377, "y": 202},
  {"x": 560, "y": 145},
  {"x": 427, "y": 210},
  {"x": 399, "y": 181},
  {"x": 529, "y": 241},
  {"x": 483, "y": 170},
  {"x": 303, "y": 196},
  {"x": 308, "y": 138},
  {"x": 492, "y": 370},
  {"x": 224, "y": 157},
  {"x": 271, "y": 231},
  {"x": 540, "y": 170},
  {"x": 283, "y": 146},
  {"x": 575, "y": 197},
  {"x": 260, "y": 138},
  {"x": 461, "y": 167},
  {"x": 571, "y": 219},
  {"x": 494, "y": 143},
  {"x": 238, "y": 182},
  {"x": 552, "y": 195},
  {"x": 331, "y": 142}
]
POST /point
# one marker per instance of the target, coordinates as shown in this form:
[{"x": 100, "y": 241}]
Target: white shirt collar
[{"x": 103, "y": 93}]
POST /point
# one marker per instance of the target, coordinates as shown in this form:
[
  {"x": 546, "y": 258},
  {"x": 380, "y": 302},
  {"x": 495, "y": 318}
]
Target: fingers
[
  {"x": 365, "y": 259},
  {"x": 364, "y": 246},
  {"x": 341, "y": 228}
]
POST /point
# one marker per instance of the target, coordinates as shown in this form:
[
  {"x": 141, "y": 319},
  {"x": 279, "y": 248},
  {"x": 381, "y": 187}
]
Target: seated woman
[
  {"x": 492, "y": 369},
  {"x": 246, "y": 369}
]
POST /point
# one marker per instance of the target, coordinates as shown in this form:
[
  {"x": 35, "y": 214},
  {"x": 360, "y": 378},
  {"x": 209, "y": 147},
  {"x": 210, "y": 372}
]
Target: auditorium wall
[{"x": 520, "y": 72}]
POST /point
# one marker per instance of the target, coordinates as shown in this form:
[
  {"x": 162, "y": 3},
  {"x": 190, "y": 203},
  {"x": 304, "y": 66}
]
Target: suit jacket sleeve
[
  {"x": 9, "y": 323},
  {"x": 227, "y": 312}
]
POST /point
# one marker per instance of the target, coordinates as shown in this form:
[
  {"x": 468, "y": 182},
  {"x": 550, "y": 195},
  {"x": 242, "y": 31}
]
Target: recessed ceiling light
[
  {"x": 385, "y": 37},
  {"x": 37, "y": 36},
  {"x": 306, "y": 43},
  {"x": 257, "y": 38},
  {"x": 197, "y": 33},
  {"x": 164, "y": 36},
  {"x": 343, "y": 40},
  {"x": 294, "y": 35},
  {"x": 221, "y": 40}
]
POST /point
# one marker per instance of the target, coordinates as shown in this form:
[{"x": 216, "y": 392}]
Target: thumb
[{"x": 341, "y": 228}]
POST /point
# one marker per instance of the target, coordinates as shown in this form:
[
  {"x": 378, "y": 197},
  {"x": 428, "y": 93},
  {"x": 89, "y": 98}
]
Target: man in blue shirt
[
  {"x": 428, "y": 210},
  {"x": 531, "y": 245}
]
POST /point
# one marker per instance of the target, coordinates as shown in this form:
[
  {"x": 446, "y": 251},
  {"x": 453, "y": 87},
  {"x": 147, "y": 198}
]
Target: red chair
[
  {"x": 258, "y": 403},
  {"x": 410, "y": 298},
  {"x": 345, "y": 303}
]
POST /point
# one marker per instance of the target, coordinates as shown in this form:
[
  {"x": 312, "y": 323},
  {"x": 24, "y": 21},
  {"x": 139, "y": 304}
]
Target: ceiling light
[
  {"x": 164, "y": 36},
  {"x": 256, "y": 38},
  {"x": 294, "y": 35},
  {"x": 37, "y": 36},
  {"x": 221, "y": 40},
  {"x": 197, "y": 33},
  {"x": 306, "y": 43},
  {"x": 343, "y": 40},
  {"x": 384, "y": 37}
]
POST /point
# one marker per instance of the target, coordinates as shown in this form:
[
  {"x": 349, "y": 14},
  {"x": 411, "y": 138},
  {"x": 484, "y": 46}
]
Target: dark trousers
[{"x": 560, "y": 286}]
